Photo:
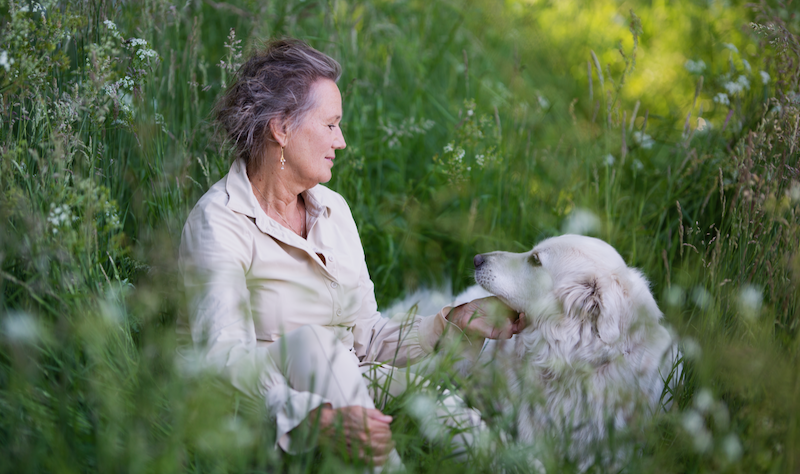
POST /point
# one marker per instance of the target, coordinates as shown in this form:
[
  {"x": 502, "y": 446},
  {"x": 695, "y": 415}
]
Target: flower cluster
[
  {"x": 737, "y": 86},
  {"x": 722, "y": 98},
  {"x": 406, "y": 129},
  {"x": 60, "y": 216},
  {"x": 453, "y": 159},
  {"x": 695, "y": 67},
  {"x": 750, "y": 300},
  {"x": 643, "y": 140},
  {"x": 581, "y": 221},
  {"x": 5, "y": 61},
  {"x": 233, "y": 58},
  {"x": 475, "y": 144},
  {"x": 695, "y": 421},
  {"x": 22, "y": 328}
]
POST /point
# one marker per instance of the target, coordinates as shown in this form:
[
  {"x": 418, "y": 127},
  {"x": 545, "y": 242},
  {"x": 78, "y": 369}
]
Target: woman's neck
[{"x": 279, "y": 199}]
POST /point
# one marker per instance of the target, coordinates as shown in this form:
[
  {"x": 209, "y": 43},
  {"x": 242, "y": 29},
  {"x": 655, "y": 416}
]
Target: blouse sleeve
[
  {"x": 215, "y": 257},
  {"x": 401, "y": 342}
]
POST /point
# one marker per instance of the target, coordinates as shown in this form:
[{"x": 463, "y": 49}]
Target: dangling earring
[{"x": 283, "y": 160}]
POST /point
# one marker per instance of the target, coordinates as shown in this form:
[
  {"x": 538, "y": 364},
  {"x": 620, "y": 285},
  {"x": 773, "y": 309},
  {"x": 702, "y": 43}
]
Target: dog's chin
[{"x": 503, "y": 298}]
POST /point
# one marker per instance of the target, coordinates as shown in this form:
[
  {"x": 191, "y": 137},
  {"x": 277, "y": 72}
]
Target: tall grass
[{"x": 470, "y": 127}]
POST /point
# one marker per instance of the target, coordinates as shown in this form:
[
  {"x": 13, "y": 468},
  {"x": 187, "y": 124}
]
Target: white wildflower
[
  {"x": 691, "y": 348},
  {"x": 703, "y": 125},
  {"x": 609, "y": 159},
  {"x": 22, "y": 328},
  {"x": 581, "y": 221},
  {"x": 5, "y": 61},
  {"x": 764, "y": 77},
  {"x": 722, "y": 98},
  {"x": 60, "y": 215},
  {"x": 750, "y": 300},
  {"x": 423, "y": 409},
  {"x": 747, "y": 66},
  {"x": 794, "y": 192},
  {"x": 733, "y": 88},
  {"x": 732, "y": 448},
  {"x": 692, "y": 421},
  {"x": 695, "y": 67},
  {"x": 637, "y": 165},
  {"x": 480, "y": 160},
  {"x": 112, "y": 219},
  {"x": 644, "y": 140},
  {"x": 470, "y": 112},
  {"x": 459, "y": 154},
  {"x": 702, "y": 298},
  {"x": 126, "y": 83},
  {"x": 137, "y": 42},
  {"x": 694, "y": 424},
  {"x": 543, "y": 102},
  {"x": 675, "y": 296},
  {"x": 704, "y": 400},
  {"x": 731, "y": 47},
  {"x": 448, "y": 148},
  {"x": 146, "y": 54},
  {"x": 113, "y": 29},
  {"x": 744, "y": 82}
]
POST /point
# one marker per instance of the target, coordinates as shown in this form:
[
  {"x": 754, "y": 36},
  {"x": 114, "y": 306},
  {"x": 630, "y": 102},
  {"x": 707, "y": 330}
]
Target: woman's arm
[{"x": 215, "y": 257}]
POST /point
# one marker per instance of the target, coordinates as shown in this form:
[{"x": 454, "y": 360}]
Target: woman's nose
[{"x": 339, "y": 143}]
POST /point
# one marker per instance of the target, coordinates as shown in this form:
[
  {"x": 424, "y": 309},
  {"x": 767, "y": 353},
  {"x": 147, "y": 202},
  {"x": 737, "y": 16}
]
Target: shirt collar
[{"x": 242, "y": 200}]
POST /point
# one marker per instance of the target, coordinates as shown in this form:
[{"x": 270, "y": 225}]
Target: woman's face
[{"x": 310, "y": 148}]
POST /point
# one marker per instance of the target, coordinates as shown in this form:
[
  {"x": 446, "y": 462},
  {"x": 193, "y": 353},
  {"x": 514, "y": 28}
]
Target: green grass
[{"x": 88, "y": 373}]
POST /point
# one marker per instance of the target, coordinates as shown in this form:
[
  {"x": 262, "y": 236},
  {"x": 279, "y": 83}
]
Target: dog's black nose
[{"x": 478, "y": 260}]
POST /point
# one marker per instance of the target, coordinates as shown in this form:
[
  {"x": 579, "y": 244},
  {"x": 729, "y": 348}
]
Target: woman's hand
[
  {"x": 487, "y": 318},
  {"x": 364, "y": 428}
]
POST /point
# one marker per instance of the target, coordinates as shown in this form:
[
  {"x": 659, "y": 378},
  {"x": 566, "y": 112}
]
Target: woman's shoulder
[
  {"x": 212, "y": 210},
  {"x": 335, "y": 203},
  {"x": 213, "y": 201}
]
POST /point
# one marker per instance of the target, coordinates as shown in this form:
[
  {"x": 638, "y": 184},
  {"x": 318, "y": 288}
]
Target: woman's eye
[{"x": 331, "y": 126}]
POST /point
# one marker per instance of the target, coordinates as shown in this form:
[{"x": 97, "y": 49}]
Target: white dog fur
[{"x": 593, "y": 353}]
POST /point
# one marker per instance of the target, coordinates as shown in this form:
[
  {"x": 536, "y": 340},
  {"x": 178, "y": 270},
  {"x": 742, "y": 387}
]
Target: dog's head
[{"x": 579, "y": 278}]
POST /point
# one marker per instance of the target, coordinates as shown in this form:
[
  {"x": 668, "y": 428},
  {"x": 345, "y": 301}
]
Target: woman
[{"x": 281, "y": 302}]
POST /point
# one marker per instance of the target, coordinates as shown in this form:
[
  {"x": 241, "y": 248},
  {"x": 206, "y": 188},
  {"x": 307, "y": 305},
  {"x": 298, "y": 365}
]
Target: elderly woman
[{"x": 281, "y": 302}]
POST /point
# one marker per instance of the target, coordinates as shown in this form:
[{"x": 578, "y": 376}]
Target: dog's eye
[{"x": 534, "y": 260}]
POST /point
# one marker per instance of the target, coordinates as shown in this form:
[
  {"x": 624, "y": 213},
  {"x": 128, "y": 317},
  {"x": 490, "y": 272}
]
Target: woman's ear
[{"x": 277, "y": 128}]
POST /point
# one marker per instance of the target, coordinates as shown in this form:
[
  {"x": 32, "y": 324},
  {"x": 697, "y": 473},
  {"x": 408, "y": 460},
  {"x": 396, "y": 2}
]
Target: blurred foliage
[{"x": 471, "y": 126}]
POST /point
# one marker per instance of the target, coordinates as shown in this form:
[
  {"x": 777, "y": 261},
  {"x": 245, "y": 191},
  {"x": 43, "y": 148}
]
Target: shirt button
[
  {"x": 330, "y": 258},
  {"x": 339, "y": 312},
  {"x": 334, "y": 284}
]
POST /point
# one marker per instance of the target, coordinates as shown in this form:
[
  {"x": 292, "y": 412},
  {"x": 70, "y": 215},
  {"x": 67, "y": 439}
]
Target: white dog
[
  {"x": 593, "y": 353},
  {"x": 594, "y": 348}
]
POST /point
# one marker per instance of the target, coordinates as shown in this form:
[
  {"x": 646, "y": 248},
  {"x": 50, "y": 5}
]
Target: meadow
[{"x": 668, "y": 129}]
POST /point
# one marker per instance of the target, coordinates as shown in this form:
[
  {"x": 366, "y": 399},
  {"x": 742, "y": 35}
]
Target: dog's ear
[
  {"x": 613, "y": 309},
  {"x": 596, "y": 301}
]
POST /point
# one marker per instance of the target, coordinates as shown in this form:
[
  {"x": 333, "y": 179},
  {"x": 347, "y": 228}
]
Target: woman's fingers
[
  {"x": 374, "y": 414},
  {"x": 367, "y": 430},
  {"x": 489, "y": 317}
]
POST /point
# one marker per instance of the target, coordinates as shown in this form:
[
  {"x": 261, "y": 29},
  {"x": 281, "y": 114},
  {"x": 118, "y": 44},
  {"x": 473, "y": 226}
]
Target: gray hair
[{"x": 273, "y": 84}]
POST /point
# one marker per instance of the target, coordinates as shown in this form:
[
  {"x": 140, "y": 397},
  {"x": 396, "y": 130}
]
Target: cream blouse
[{"x": 249, "y": 280}]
